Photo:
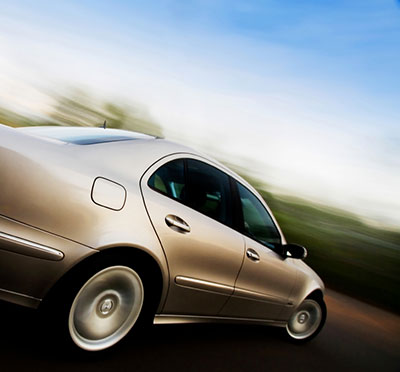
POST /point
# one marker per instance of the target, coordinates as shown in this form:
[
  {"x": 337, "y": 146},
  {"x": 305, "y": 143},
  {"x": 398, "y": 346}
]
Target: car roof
[
  {"x": 114, "y": 147},
  {"x": 84, "y": 135}
]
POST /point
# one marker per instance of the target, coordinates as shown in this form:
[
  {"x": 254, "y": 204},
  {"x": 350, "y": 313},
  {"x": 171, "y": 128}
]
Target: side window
[
  {"x": 208, "y": 191},
  {"x": 170, "y": 179},
  {"x": 258, "y": 224}
]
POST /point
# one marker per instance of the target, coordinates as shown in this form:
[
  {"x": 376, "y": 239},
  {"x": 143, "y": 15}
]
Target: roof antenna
[{"x": 105, "y": 124}]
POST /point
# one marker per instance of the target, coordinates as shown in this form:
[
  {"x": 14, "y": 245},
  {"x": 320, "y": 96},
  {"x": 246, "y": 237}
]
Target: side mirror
[{"x": 294, "y": 251}]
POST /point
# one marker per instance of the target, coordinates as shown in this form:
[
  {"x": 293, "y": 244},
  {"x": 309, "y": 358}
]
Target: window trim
[
  {"x": 237, "y": 211},
  {"x": 237, "y": 208}
]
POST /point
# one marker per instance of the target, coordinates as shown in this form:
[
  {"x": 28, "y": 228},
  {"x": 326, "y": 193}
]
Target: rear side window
[
  {"x": 209, "y": 191},
  {"x": 196, "y": 184},
  {"x": 170, "y": 179}
]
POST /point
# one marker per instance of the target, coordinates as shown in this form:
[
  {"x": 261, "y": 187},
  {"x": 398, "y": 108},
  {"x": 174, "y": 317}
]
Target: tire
[
  {"x": 306, "y": 321},
  {"x": 95, "y": 310}
]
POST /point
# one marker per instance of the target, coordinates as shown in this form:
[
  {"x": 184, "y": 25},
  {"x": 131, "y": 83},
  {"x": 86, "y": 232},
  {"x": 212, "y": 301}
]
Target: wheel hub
[
  {"x": 305, "y": 320},
  {"x": 302, "y": 318},
  {"x": 106, "y": 306}
]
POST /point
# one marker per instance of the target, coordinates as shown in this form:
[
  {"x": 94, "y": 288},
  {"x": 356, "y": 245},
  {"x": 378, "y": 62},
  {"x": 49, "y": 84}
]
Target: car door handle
[
  {"x": 177, "y": 222},
  {"x": 252, "y": 254}
]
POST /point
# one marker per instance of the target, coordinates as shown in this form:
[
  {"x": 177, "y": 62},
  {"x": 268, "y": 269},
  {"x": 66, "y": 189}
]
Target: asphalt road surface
[{"x": 356, "y": 337}]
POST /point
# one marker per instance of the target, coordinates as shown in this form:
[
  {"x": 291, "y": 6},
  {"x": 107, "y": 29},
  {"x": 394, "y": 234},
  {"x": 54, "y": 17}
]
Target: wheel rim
[
  {"x": 106, "y": 308},
  {"x": 305, "y": 321}
]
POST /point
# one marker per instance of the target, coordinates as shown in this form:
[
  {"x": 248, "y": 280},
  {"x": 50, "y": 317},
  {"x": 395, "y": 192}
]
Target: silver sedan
[{"x": 105, "y": 230}]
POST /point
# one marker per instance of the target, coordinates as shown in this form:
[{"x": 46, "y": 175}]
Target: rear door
[{"x": 189, "y": 203}]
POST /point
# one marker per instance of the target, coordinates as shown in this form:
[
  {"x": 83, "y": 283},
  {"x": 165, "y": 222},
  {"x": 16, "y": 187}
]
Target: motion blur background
[{"x": 299, "y": 97}]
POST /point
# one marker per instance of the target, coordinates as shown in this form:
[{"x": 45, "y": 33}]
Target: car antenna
[{"x": 105, "y": 124}]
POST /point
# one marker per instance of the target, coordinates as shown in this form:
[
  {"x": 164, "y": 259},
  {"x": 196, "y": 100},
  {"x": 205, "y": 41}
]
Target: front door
[
  {"x": 266, "y": 279},
  {"x": 189, "y": 204}
]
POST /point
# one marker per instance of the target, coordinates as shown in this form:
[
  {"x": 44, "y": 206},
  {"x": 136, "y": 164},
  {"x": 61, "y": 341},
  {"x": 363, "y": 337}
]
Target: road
[{"x": 356, "y": 337}]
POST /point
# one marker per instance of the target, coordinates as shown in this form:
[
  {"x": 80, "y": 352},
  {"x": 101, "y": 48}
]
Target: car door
[
  {"x": 189, "y": 204},
  {"x": 266, "y": 279}
]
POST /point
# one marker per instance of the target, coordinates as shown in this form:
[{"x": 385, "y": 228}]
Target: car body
[{"x": 155, "y": 220}]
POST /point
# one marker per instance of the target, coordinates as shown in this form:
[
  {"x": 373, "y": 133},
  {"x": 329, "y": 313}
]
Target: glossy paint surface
[{"x": 81, "y": 199}]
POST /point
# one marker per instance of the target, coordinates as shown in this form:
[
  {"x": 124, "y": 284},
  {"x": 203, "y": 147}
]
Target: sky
[{"x": 303, "y": 94}]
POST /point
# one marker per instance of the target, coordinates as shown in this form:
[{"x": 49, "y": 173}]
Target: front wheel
[
  {"x": 307, "y": 320},
  {"x": 105, "y": 308}
]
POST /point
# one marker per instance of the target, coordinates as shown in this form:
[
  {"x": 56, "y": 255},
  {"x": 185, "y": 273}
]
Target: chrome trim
[
  {"x": 177, "y": 222},
  {"x": 28, "y": 248},
  {"x": 252, "y": 254},
  {"x": 244, "y": 293},
  {"x": 184, "y": 319},
  {"x": 203, "y": 285},
  {"x": 19, "y": 298}
]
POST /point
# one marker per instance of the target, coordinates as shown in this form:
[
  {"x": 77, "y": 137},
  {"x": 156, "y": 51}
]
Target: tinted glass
[
  {"x": 208, "y": 191},
  {"x": 258, "y": 223},
  {"x": 170, "y": 179}
]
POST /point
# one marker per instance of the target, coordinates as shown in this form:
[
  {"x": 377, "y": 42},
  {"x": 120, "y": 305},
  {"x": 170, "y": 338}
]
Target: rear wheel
[
  {"x": 99, "y": 301},
  {"x": 307, "y": 320},
  {"x": 106, "y": 307}
]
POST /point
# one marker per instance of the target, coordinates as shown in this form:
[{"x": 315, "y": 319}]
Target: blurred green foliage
[
  {"x": 13, "y": 119},
  {"x": 79, "y": 109},
  {"x": 349, "y": 255}
]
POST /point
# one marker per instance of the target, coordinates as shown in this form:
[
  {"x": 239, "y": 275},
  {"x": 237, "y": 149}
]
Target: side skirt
[{"x": 184, "y": 319}]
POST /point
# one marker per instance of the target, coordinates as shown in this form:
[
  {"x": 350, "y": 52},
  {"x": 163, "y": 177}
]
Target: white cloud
[{"x": 319, "y": 139}]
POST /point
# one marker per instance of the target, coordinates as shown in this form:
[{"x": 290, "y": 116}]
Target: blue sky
[{"x": 305, "y": 94}]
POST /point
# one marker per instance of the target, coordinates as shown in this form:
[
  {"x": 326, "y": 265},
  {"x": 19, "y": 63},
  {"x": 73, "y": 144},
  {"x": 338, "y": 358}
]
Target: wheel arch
[
  {"x": 132, "y": 256},
  {"x": 316, "y": 294}
]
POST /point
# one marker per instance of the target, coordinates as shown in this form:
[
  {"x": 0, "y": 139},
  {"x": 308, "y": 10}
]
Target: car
[{"x": 105, "y": 230}]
